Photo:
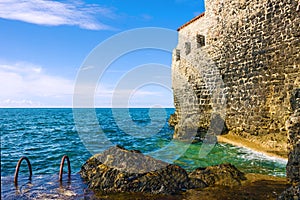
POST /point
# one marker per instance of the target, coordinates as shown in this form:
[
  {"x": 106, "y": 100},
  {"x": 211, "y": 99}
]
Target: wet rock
[
  {"x": 291, "y": 193},
  {"x": 224, "y": 174},
  {"x": 173, "y": 120},
  {"x": 218, "y": 125},
  {"x": 121, "y": 170},
  {"x": 295, "y": 99}
]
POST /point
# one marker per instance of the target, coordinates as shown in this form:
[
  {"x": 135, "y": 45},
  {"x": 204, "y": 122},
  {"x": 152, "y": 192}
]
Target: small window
[
  {"x": 200, "y": 40},
  {"x": 187, "y": 48},
  {"x": 177, "y": 54}
]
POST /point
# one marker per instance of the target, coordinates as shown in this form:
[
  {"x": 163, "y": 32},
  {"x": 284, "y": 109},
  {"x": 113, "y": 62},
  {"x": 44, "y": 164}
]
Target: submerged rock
[
  {"x": 224, "y": 174},
  {"x": 121, "y": 170}
]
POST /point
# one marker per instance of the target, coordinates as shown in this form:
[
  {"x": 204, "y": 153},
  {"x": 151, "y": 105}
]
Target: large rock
[
  {"x": 121, "y": 170},
  {"x": 224, "y": 174}
]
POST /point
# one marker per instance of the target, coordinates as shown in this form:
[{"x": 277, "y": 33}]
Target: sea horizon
[{"x": 86, "y": 107}]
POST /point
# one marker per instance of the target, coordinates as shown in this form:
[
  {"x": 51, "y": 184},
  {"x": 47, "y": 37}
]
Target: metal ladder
[{"x": 61, "y": 169}]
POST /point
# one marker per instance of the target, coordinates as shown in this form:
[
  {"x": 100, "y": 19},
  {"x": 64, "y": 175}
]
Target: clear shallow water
[
  {"x": 45, "y": 187},
  {"x": 45, "y": 135}
]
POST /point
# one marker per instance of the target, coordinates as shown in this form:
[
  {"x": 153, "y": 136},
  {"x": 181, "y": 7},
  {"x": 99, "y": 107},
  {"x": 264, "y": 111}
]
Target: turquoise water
[{"x": 45, "y": 135}]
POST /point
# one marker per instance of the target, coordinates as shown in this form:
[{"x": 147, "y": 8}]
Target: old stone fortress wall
[{"x": 240, "y": 63}]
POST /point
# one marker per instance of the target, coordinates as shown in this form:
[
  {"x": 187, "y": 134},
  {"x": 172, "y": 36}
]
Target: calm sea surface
[{"x": 45, "y": 135}]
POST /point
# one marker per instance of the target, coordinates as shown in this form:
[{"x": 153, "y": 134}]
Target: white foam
[{"x": 251, "y": 154}]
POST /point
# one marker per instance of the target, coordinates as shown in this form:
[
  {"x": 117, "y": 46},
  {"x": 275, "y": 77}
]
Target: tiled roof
[{"x": 191, "y": 21}]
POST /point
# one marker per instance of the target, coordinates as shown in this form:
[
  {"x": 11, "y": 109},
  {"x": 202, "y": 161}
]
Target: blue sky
[{"x": 44, "y": 43}]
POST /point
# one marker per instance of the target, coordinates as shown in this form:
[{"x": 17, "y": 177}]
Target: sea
[{"x": 44, "y": 135}]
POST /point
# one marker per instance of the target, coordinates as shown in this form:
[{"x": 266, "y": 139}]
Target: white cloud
[
  {"x": 27, "y": 85},
  {"x": 8, "y": 103},
  {"x": 84, "y": 68},
  {"x": 55, "y": 13}
]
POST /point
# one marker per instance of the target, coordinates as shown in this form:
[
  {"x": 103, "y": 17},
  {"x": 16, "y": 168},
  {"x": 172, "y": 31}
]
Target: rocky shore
[
  {"x": 128, "y": 174},
  {"x": 121, "y": 170},
  {"x": 256, "y": 187}
]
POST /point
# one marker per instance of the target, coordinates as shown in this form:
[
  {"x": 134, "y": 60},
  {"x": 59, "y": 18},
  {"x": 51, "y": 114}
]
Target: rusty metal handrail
[
  {"x": 18, "y": 168},
  {"x": 65, "y": 157}
]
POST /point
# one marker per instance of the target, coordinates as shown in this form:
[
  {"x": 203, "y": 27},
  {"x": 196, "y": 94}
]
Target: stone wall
[
  {"x": 293, "y": 128},
  {"x": 293, "y": 165},
  {"x": 244, "y": 75}
]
